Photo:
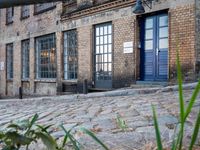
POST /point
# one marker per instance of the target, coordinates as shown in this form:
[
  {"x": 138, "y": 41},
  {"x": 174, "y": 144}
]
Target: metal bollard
[
  {"x": 20, "y": 93},
  {"x": 85, "y": 87}
]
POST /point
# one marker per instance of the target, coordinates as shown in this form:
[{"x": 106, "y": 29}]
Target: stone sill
[{"x": 46, "y": 80}]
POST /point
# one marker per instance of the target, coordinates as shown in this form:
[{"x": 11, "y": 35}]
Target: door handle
[{"x": 157, "y": 51}]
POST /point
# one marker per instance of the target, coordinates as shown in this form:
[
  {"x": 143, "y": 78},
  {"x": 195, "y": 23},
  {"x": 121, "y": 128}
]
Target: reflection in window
[
  {"x": 25, "y": 59},
  {"x": 42, "y": 7},
  {"x": 70, "y": 55},
  {"x": 9, "y": 61},
  {"x": 46, "y": 57},
  {"x": 25, "y": 11},
  {"x": 9, "y": 15}
]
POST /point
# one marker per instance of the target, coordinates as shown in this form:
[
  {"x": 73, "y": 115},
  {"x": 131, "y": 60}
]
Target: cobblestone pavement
[{"x": 99, "y": 114}]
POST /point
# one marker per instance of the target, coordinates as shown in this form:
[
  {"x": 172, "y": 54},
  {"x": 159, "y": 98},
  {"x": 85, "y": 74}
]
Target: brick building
[{"x": 54, "y": 47}]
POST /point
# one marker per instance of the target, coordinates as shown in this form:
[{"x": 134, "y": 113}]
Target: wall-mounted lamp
[{"x": 139, "y": 8}]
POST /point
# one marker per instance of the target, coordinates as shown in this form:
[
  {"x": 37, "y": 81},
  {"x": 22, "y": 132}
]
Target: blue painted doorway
[{"x": 154, "y": 48}]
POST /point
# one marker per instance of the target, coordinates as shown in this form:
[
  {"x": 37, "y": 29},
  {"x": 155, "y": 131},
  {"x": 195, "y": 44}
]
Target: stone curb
[{"x": 115, "y": 93}]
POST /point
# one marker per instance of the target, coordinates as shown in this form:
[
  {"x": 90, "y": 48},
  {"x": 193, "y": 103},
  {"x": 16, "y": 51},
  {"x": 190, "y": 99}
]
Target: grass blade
[
  {"x": 181, "y": 100},
  {"x": 72, "y": 139},
  {"x": 158, "y": 137},
  {"x": 196, "y": 131},
  {"x": 32, "y": 122},
  {"x": 192, "y": 100},
  {"x": 92, "y": 135}
]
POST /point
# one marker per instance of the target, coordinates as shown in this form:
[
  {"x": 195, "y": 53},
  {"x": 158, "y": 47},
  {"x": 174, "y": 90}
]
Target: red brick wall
[
  {"x": 182, "y": 36},
  {"x": 123, "y": 64}
]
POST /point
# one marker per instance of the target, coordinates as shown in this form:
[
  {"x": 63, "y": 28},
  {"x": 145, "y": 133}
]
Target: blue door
[{"x": 154, "y": 48}]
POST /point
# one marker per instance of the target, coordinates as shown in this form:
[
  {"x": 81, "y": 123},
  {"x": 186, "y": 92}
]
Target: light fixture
[{"x": 139, "y": 8}]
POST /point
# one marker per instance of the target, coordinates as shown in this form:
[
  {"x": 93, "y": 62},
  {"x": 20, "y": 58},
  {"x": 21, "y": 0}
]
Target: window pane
[
  {"x": 42, "y": 7},
  {"x": 25, "y": 59},
  {"x": 97, "y": 31},
  {"x": 109, "y": 29},
  {"x": 149, "y": 45},
  {"x": 46, "y": 56},
  {"x": 9, "y": 61},
  {"x": 101, "y": 30},
  {"x": 97, "y": 49},
  {"x": 149, "y": 34},
  {"x": 163, "y": 21},
  {"x": 105, "y": 30},
  {"x": 109, "y": 38},
  {"x": 163, "y": 43},
  {"x": 71, "y": 62},
  {"x": 149, "y": 23},
  {"x": 163, "y": 32},
  {"x": 105, "y": 39}
]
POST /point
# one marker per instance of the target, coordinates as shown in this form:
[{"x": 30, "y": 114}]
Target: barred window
[
  {"x": 9, "y": 61},
  {"x": 46, "y": 57},
  {"x": 25, "y": 11},
  {"x": 70, "y": 55},
  {"x": 9, "y": 15},
  {"x": 39, "y": 8},
  {"x": 25, "y": 59}
]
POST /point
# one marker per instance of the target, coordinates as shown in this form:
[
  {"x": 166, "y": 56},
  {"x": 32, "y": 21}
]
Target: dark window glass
[
  {"x": 43, "y": 7},
  {"x": 46, "y": 57},
  {"x": 25, "y": 59},
  {"x": 70, "y": 55},
  {"x": 25, "y": 11},
  {"x": 9, "y": 61},
  {"x": 9, "y": 15}
]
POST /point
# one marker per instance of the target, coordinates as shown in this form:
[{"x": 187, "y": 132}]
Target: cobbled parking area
[{"x": 99, "y": 115}]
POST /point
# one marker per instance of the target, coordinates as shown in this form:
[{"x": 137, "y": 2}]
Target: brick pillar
[
  {"x": 16, "y": 67},
  {"x": 32, "y": 65},
  {"x": 59, "y": 47},
  {"x": 84, "y": 51},
  {"x": 3, "y": 71}
]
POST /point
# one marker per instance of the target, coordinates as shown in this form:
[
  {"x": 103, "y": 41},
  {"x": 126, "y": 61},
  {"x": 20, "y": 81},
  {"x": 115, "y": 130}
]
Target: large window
[
  {"x": 46, "y": 57},
  {"x": 25, "y": 59},
  {"x": 9, "y": 61},
  {"x": 9, "y": 15},
  {"x": 39, "y": 8},
  {"x": 25, "y": 11},
  {"x": 70, "y": 55}
]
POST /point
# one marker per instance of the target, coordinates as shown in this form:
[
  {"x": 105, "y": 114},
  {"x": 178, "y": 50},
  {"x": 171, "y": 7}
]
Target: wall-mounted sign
[
  {"x": 128, "y": 47},
  {"x": 1, "y": 66}
]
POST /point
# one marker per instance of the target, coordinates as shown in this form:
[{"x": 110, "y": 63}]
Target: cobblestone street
[{"x": 99, "y": 114}]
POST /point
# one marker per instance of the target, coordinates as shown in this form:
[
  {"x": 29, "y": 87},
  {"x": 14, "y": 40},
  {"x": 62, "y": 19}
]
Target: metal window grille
[
  {"x": 9, "y": 61},
  {"x": 46, "y": 57},
  {"x": 9, "y": 15},
  {"x": 25, "y": 59},
  {"x": 42, "y": 7},
  {"x": 70, "y": 55},
  {"x": 25, "y": 11}
]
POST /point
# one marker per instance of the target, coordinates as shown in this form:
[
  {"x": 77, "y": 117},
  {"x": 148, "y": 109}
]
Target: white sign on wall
[
  {"x": 2, "y": 66},
  {"x": 128, "y": 47}
]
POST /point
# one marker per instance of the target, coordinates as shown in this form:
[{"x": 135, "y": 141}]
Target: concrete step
[{"x": 148, "y": 84}]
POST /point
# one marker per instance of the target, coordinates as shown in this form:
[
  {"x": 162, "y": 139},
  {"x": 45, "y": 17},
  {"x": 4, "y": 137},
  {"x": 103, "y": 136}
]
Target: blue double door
[{"x": 154, "y": 48}]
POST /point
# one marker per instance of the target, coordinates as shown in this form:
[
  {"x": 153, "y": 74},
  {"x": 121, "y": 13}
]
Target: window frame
[
  {"x": 25, "y": 16},
  {"x": 25, "y": 74},
  {"x": 36, "y": 12},
  {"x": 9, "y": 62},
  {"x": 75, "y": 63},
  {"x": 9, "y": 19},
  {"x": 38, "y": 72}
]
